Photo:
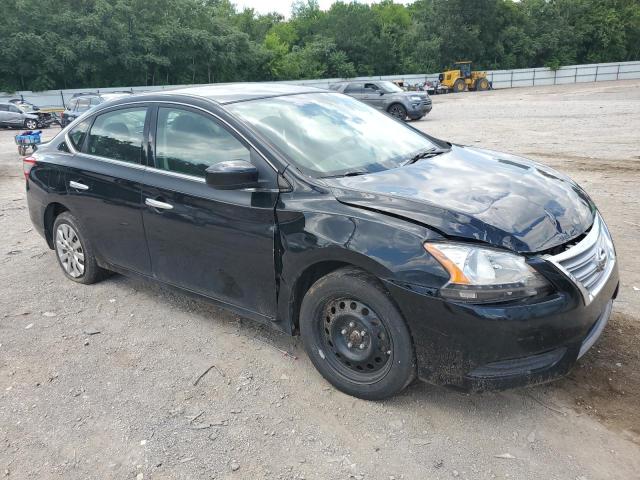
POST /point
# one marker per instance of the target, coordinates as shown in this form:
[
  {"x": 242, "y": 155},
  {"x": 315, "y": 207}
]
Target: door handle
[
  {"x": 157, "y": 204},
  {"x": 78, "y": 185}
]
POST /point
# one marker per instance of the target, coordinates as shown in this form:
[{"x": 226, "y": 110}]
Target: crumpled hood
[{"x": 471, "y": 193}]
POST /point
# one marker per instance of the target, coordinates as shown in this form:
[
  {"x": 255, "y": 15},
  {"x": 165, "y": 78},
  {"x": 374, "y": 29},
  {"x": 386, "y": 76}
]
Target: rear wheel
[
  {"x": 482, "y": 84},
  {"x": 74, "y": 252},
  {"x": 355, "y": 336},
  {"x": 398, "y": 111}
]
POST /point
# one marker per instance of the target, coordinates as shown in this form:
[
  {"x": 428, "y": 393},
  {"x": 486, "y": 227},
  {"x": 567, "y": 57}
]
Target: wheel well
[
  {"x": 50, "y": 215},
  {"x": 310, "y": 276}
]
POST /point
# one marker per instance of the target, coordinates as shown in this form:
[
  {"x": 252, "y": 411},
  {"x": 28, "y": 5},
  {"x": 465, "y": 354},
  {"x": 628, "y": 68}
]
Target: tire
[
  {"x": 69, "y": 237},
  {"x": 356, "y": 337},
  {"x": 482, "y": 85},
  {"x": 459, "y": 86},
  {"x": 30, "y": 124},
  {"x": 398, "y": 111}
]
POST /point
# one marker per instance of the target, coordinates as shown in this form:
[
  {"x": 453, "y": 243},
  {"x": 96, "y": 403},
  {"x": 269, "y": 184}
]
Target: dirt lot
[{"x": 99, "y": 382}]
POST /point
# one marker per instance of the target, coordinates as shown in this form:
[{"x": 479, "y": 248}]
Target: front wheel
[
  {"x": 30, "y": 124},
  {"x": 355, "y": 336},
  {"x": 482, "y": 85},
  {"x": 398, "y": 111}
]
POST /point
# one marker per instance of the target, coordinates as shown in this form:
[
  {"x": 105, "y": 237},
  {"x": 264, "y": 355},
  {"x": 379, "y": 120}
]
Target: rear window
[{"x": 118, "y": 135}]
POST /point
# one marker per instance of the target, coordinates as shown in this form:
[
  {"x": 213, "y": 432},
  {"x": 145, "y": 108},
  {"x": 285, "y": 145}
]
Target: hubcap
[
  {"x": 70, "y": 250},
  {"x": 359, "y": 345}
]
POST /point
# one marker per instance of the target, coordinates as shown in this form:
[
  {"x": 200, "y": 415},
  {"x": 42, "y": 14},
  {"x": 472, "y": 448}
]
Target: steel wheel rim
[
  {"x": 70, "y": 250},
  {"x": 356, "y": 342}
]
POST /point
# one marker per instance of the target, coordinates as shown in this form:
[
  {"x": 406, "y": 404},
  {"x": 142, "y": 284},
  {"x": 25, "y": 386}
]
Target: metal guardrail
[{"x": 499, "y": 78}]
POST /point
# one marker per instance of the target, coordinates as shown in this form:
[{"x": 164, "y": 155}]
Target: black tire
[
  {"x": 91, "y": 272},
  {"x": 30, "y": 124},
  {"x": 398, "y": 111},
  {"x": 374, "y": 363},
  {"x": 459, "y": 86},
  {"x": 482, "y": 85}
]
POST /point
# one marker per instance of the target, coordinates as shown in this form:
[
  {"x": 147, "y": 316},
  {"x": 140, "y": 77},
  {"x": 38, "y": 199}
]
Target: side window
[
  {"x": 4, "y": 108},
  {"x": 370, "y": 88},
  {"x": 72, "y": 105},
  {"x": 118, "y": 135},
  {"x": 76, "y": 136},
  {"x": 94, "y": 101},
  {"x": 353, "y": 88},
  {"x": 189, "y": 142},
  {"x": 14, "y": 109}
]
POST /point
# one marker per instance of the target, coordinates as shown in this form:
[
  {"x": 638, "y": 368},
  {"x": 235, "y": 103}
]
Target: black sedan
[{"x": 393, "y": 254}]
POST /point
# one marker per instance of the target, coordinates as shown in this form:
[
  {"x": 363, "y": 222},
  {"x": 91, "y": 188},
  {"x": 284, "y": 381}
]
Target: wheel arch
[{"x": 53, "y": 210}]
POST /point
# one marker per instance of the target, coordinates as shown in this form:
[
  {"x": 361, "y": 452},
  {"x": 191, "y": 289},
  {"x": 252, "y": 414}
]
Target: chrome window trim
[
  {"x": 137, "y": 166},
  {"x": 173, "y": 102}
]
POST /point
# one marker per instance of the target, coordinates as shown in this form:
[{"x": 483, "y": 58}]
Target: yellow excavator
[{"x": 462, "y": 78}]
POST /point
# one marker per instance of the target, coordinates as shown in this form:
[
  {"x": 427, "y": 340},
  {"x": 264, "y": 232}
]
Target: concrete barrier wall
[{"x": 500, "y": 79}]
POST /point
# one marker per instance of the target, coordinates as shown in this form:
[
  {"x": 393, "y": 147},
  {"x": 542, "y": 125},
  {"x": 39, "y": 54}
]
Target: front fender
[{"x": 318, "y": 234}]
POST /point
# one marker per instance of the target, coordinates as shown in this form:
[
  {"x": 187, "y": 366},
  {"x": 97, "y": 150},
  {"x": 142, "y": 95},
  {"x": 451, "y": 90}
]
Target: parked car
[
  {"x": 389, "y": 97},
  {"x": 13, "y": 116},
  {"x": 393, "y": 254},
  {"x": 82, "y": 102}
]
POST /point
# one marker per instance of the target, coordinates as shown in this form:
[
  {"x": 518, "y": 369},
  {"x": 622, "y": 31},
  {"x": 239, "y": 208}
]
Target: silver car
[
  {"x": 12, "y": 116},
  {"x": 387, "y": 96}
]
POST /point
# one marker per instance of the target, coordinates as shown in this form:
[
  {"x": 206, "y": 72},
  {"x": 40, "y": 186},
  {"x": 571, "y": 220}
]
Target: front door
[
  {"x": 372, "y": 95},
  {"x": 104, "y": 185},
  {"x": 219, "y": 243}
]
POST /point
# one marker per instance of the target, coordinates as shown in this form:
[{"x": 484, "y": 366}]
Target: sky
[{"x": 284, "y": 6}]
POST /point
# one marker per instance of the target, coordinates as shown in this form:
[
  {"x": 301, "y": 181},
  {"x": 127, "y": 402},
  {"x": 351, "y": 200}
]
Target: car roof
[{"x": 240, "y": 92}]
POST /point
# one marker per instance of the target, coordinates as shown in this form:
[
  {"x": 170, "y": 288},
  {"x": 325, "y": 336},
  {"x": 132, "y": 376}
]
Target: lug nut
[
  {"x": 361, "y": 346},
  {"x": 363, "y": 333},
  {"x": 351, "y": 324},
  {"x": 343, "y": 331},
  {"x": 349, "y": 344}
]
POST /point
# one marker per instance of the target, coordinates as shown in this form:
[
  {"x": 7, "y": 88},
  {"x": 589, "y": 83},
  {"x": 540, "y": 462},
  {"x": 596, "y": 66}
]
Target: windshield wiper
[
  {"x": 352, "y": 173},
  {"x": 431, "y": 152}
]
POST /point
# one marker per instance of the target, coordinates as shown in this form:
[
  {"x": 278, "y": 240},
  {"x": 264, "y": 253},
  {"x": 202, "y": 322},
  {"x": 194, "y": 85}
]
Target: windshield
[
  {"x": 329, "y": 134},
  {"x": 389, "y": 87}
]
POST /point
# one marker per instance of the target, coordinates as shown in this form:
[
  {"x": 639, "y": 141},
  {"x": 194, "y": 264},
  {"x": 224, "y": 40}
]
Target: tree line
[{"x": 50, "y": 44}]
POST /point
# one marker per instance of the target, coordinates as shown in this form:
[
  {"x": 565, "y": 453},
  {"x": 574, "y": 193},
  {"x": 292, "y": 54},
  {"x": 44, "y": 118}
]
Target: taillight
[{"x": 27, "y": 165}]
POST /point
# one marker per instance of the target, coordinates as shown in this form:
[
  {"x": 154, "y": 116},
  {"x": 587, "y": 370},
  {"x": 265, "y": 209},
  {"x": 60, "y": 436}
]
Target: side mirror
[
  {"x": 380, "y": 92},
  {"x": 232, "y": 175}
]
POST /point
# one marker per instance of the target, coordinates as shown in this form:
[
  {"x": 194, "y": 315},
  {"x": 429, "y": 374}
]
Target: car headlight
[
  {"x": 486, "y": 275},
  {"x": 415, "y": 98}
]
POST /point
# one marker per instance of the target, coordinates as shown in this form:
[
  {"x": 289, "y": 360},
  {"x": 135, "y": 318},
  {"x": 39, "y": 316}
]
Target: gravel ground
[{"x": 101, "y": 381}]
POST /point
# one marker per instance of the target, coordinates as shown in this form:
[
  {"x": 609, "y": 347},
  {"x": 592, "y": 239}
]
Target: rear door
[
  {"x": 104, "y": 184},
  {"x": 15, "y": 116},
  {"x": 219, "y": 243},
  {"x": 354, "y": 89}
]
